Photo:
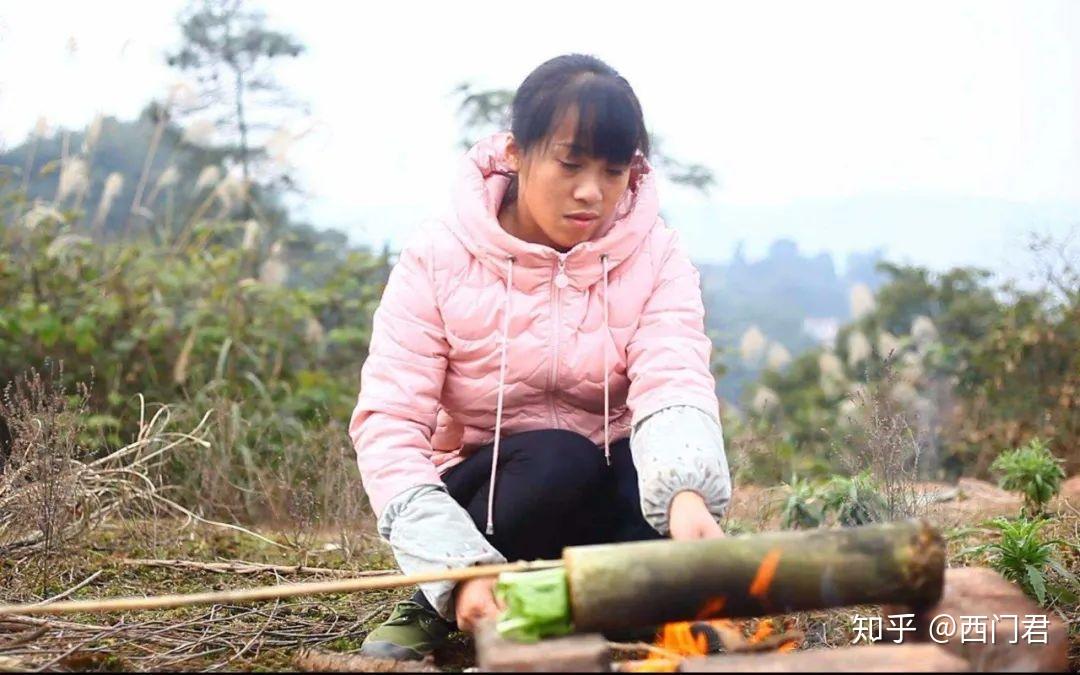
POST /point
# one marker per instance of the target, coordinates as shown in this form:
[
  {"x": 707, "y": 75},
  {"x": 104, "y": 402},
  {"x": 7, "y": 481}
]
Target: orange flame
[
  {"x": 765, "y": 628},
  {"x": 681, "y": 639},
  {"x": 712, "y": 607},
  {"x": 765, "y": 574},
  {"x": 674, "y": 642}
]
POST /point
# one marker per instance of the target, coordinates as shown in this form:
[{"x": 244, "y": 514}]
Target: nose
[{"x": 588, "y": 190}]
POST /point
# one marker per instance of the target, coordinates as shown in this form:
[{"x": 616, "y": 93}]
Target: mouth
[{"x": 582, "y": 219}]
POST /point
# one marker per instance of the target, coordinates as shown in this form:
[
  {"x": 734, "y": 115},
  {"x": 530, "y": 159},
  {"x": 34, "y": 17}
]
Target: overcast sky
[{"x": 941, "y": 132}]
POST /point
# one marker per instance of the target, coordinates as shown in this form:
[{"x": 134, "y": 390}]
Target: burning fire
[{"x": 681, "y": 639}]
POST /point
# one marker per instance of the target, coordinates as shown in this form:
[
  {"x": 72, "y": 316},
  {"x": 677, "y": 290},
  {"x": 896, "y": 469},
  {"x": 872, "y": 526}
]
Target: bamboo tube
[
  {"x": 271, "y": 592},
  {"x": 615, "y": 586}
]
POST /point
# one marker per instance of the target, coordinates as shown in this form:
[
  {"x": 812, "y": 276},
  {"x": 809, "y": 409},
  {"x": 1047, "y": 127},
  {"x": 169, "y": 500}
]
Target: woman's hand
[
  {"x": 689, "y": 518},
  {"x": 475, "y": 602}
]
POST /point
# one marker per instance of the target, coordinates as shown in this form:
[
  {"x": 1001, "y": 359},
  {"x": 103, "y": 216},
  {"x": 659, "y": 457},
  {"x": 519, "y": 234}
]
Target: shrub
[
  {"x": 185, "y": 316},
  {"x": 855, "y": 500},
  {"x": 802, "y": 508},
  {"x": 1032, "y": 470},
  {"x": 1020, "y": 555}
]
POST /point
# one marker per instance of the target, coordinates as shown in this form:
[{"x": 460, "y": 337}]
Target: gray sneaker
[{"x": 411, "y": 633}]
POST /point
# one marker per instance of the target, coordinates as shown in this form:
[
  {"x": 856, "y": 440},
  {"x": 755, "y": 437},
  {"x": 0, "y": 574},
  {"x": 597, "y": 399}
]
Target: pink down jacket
[{"x": 479, "y": 330}]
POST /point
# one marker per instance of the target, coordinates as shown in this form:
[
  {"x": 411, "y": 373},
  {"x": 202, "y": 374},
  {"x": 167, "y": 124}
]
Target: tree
[
  {"x": 488, "y": 110},
  {"x": 231, "y": 52},
  {"x": 483, "y": 112}
]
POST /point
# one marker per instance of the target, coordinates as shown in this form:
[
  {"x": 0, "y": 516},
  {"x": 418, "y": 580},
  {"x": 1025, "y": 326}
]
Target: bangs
[{"x": 609, "y": 120}]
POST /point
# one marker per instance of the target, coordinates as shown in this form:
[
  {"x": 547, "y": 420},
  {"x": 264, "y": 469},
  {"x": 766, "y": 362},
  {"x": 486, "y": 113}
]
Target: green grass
[{"x": 1023, "y": 556}]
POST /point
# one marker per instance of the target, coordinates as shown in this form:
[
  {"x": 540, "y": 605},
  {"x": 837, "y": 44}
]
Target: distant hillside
[
  {"x": 180, "y": 179},
  {"x": 120, "y": 148},
  {"x": 777, "y": 294}
]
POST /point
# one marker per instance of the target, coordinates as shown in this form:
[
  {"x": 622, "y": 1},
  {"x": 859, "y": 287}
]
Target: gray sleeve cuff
[
  {"x": 428, "y": 530},
  {"x": 675, "y": 449}
]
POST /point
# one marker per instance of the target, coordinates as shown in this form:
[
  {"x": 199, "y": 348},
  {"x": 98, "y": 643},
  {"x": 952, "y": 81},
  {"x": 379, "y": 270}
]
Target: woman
[{"x": 546, "y": 338}]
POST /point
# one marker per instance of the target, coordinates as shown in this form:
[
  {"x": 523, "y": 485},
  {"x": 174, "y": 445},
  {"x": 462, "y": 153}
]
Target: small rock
[{"x": 1070, "y": 492}]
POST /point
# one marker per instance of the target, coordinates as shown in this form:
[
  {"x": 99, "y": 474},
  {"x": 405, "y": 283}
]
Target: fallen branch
[
  {"x": 51, "y": 623},
  {"x": 23, "y": 638},
  {"x": 81, "y": 584},
  {"x": 222, "y": 638},
  {"x": 244, "y": 567},
  {"x": 257, "y": 636}
]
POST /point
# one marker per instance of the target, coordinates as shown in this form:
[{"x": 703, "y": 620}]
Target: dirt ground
[
  {"x": 138, "y": 558},
  {"x": 968, "y": 502}
]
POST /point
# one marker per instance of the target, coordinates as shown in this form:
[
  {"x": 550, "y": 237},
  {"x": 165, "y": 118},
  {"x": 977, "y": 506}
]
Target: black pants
[{"x": 553, "y": 489}]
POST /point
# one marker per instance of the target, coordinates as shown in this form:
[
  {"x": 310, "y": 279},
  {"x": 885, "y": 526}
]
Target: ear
[
  {"x": 513, "y": 154},
  {"x": 638, "y": 168}
]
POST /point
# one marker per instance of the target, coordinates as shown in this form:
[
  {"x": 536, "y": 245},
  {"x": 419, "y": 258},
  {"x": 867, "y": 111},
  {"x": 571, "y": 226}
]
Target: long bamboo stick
[
  {"x": 244, "y": 567},
  {"x": 271, "y": 592}
]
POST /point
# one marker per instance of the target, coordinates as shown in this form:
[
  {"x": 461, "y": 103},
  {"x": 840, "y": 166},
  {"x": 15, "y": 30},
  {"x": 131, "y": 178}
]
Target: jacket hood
[{"x": 482, "y": 181}]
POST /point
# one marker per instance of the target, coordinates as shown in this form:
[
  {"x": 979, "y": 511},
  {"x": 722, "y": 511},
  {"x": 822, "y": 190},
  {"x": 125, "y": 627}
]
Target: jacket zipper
[{"x": 558, "y": 281}]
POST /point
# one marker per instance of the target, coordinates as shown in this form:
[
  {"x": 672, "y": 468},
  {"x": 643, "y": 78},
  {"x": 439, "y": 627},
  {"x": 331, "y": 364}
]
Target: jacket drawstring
[
  {"x": 490, "y": 530},
  {"x": 499, "y": 405},
  {"x": 607, "y": 447}
]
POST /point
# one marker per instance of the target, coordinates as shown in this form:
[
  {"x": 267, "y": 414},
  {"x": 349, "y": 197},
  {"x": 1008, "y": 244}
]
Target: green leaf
[
  {"x": 1062, "y": 594},
  {"x": 981, "y": 548},
  {"x": 537, "y": 604},
  {"x": 223, "y": 354},
  {"x": 49, "y": 330},
  {"x": 1038, "y": 583}
]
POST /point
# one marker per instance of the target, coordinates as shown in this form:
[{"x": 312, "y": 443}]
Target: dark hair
[{"x": 610, "y": 123}]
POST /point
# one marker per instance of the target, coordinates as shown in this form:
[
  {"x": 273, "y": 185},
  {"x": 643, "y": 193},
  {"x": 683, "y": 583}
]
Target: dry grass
[
  {"x": 268, "y": 635},
  {"x": 73, "y": 517},
  {"x": 882, "y": 440},
  {"x": 204, "y": 638},
  {"x": 83, "y": 518},
  {"x": 57, "y": 481},
  {"x": 41, "y": 500},
  {"x": 261, "y": 469},
  {"x": 53, "y": 489}
]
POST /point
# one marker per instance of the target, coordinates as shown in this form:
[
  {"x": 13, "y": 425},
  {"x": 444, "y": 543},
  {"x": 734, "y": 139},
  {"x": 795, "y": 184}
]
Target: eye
[
  {"x": 569, "y": 165},
  {"x": 617, "y": 172}
]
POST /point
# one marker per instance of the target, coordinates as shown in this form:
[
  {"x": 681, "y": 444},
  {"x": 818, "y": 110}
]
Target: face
[{"x": 564, "y": 196}]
